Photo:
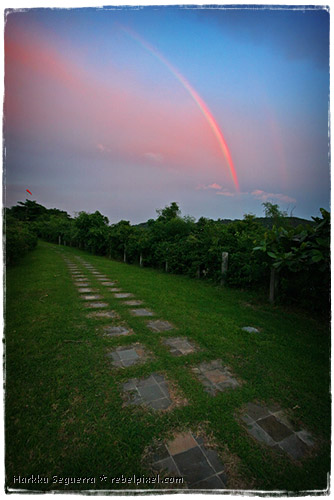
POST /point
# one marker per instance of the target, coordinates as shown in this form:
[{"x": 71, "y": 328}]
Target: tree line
[{"x": 299, "y": 254}]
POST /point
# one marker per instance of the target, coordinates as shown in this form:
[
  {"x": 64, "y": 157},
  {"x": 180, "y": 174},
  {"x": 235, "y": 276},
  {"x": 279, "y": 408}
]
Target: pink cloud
[{"x": 264, "y": 196}]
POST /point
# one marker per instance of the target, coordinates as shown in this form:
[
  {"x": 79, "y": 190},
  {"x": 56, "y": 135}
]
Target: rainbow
[{"x": 198, "y": 100}]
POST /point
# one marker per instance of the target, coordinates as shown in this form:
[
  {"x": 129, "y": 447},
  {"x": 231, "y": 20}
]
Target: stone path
[
  {"x": 128, "y": 356},
  {"x": 152, "y": 392},
  {"x": 215, "y": 377},
  {"x": 270, "y": 426},
  {"x": 179, "y": 346},
  {"x": 185, "y": 455}
]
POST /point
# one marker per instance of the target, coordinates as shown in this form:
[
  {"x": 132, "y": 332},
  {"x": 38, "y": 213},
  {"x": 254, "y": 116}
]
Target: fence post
[
  {"x": 59, "y": 240},
  {"x": 166, "y": 266},
  {"x": 273, "y": 284},
  {"x": 198, "y": 272},
  {"x": 224, "y": 267},
  {"x": 141, "y": 260},
  {"x": 124, "y": 256}
]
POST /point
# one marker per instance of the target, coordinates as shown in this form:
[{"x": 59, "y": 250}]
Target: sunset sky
[{"x": 125, "y": 110}]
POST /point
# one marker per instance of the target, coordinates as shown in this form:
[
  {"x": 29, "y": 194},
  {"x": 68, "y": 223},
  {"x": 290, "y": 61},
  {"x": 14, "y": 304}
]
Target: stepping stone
[
  {"x": 271, "y": 426},
  {"x": 115, "y": 331},
  {"x": 108, "y": 283},
  {"x": 159, "y": 326},
  {"x": 79, "y": 280},
  {"x": 152, "y": 392},
  {"x": 92, "y": 297},
  {"x": 101, "y": 278},
  {"x": 179, "y": 346},
  {"x": 133, "y": 302},
  {"x": 186, "y": 456},
  {"x": 115, "y": 290},
  {"x": 123, "y": 295},
  {"x": 96, "y": 305},
  {"x": 250, "y": 329},
  {"x": 127, "y": 356},
  {"x": 81, "y": 283},
  {"x": 141, "y": 312},
  {"x": 86, "y": 290},
  {"x": 215, "y": 377},
  {"x": 103, "y": 314}
]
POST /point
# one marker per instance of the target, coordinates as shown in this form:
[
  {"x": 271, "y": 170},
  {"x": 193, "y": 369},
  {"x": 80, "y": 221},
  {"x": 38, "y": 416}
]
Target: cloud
[
  {"x": 263, "y": 196},
  {"x": 103, "y": 148},
  {"x": 214, "y": 185},
  {"x": 225, "y": 193},
  {"x": 156, "y": 157}
]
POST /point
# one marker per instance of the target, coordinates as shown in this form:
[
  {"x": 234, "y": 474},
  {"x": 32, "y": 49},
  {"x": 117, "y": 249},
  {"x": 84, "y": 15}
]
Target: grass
[{"x": 64, "y": 410}]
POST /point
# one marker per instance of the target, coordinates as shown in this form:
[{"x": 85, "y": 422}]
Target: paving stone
[
  {"x": 92, "y": 297},
  {"x": 160, "y": 404},
  {"x": 215, "y": 377},
  {"x": 159, "y": 325},
  {"x": 141, "y": 312},
  {"x": 148, "y": 392},
  {"x": 256, "y": 411},
  {"x": 211, "y": 483},
  {"x": 182, "y": 442},
  {"x": 200, "y": 467},
  {"x": 213, "y": 459},
  {"x": 193, "y": 465},
  {"x": 294, "y": 447},
  {"x": 179, "y": 346},
  {"x": 132, "y": 302},
  {"x": 250, "y": 329},
  {"x": 306, "y": 437},
  {"x": 96, "y": 305},
  {"x": 115, "y": 290},
  {"x": 103, "y": 314},
  {"x": 108, "y": 283},
  {"x": 128, "y": 354},
  {"x": 123, "y": 295},
  {"x": 276, "y": 430},
  {"x": 260, "y": 435},
  {"x": 160, "y": 453},
  {"x": 79, "y": 280},
  {"x": 168, "y": 465},
  {"x": 114, "y": 331},
  {"x": 86, "y": 290}
]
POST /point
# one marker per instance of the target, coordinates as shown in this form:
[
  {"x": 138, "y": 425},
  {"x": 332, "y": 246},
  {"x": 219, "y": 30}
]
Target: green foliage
[
  {"x": 19, "y": 238},
  {"x": 302, "y": 257}
]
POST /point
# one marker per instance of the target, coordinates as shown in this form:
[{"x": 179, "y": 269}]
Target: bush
[{"x": 19, "y": 239}]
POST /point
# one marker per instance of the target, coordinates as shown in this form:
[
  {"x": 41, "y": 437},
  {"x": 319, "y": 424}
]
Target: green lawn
[{"x": 64, "y": 410}]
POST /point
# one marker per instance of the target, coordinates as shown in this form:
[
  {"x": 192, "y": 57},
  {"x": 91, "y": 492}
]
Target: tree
[{"x": 169, "y": 212}]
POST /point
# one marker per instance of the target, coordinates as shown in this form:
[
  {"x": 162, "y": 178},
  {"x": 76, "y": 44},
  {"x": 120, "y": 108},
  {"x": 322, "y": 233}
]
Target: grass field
[{"x": 64, "y": 410}]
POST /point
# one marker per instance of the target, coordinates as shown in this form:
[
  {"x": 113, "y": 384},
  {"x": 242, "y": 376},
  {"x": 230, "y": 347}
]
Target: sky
[{"x": 125, "y": 110}]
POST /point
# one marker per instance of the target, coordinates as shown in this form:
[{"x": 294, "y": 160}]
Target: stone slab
[
  {"x": 96, "y": 305},
  {"x": 147, "y": 392},
  {"x": 159, "y": 326},
  {"x": 179, "y": 346},
  {"x": 115, "y": 331},
  {"x": 108, "y": 283},
  {"x": 132, "y": 302},
  {"x": 86, "y": 290},
  {"x": 215, "y": 377},
  {"x": 103, "y": 314},
  {"x": 182, "y": 442},
  {"x": 92, "y": 297},
  {"x": 141, "y": 312},
  {"x": 276, "y": 430},
  {"x": 250, "y": 329}
]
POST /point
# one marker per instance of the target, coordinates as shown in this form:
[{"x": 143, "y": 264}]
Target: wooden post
[
  {"x": 273, "y": 284},
  {"x": 59, "y": 240},
  {"x": 141, "y": 260},
  {"x": 224, "y": 267},
  {"x": 166, "y": 266},
  {"x": 124, "y": 255},
  {"x": 198, "y": 272}
]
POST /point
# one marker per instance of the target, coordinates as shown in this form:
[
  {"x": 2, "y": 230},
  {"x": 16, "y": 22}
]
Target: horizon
[{"x": 123, "y": 110}]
